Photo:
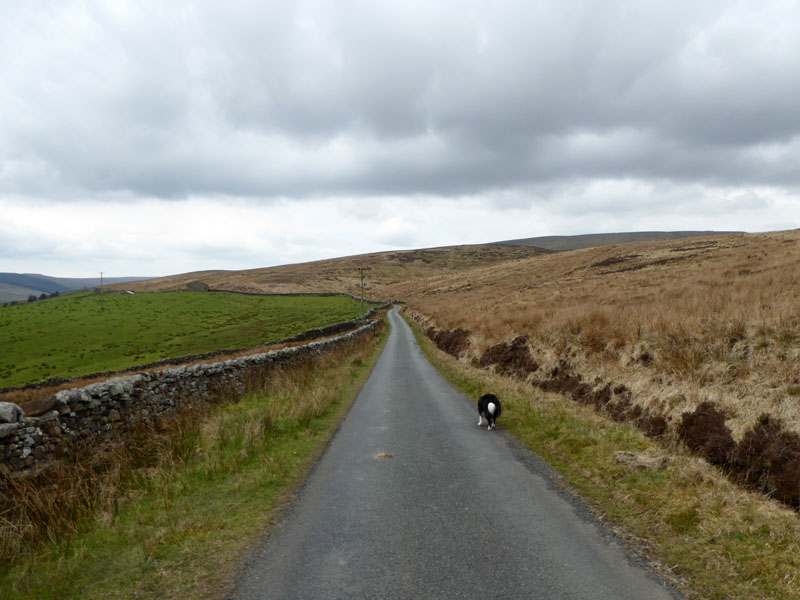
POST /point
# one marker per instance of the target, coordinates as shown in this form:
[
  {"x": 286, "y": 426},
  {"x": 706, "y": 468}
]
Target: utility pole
[
  {"x": 101, "y": 291},
  {"x": 361, "y": 272}
]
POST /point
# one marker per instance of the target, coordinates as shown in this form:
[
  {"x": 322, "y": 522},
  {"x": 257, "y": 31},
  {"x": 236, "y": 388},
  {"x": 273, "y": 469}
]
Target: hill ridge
[
  {"x": 18, "y": 286},
  {"x": 562, "y": 243}
]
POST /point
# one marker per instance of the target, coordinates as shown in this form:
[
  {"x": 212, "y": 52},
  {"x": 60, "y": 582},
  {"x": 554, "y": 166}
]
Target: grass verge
[
  {"x": 203, "y": 492},
  {"x": 714, "y": 539}
]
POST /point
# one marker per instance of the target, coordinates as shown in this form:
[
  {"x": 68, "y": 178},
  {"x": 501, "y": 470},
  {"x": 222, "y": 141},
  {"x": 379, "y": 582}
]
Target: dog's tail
[{"x": 490, "y": 404}]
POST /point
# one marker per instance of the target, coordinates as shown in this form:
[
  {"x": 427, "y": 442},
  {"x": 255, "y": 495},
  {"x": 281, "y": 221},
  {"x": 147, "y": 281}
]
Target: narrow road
[{"x": 455, "y": 512}]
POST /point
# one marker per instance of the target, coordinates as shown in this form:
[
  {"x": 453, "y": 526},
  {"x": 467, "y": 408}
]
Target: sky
[{"x": 151, "y": 138}]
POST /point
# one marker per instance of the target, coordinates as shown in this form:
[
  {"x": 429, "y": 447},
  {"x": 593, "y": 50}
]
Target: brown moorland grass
[
  {"x": 713, "y": 539},
  {"x": 676, "y": 322},
  {"x": 341, "y": 274}
]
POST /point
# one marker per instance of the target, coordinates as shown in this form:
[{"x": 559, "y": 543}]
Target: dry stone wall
[
  {"x": 100, "y": 413},
  {"x": 217, "y": 354}
]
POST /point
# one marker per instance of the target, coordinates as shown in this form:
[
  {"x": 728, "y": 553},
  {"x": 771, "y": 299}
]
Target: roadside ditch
[{"x": 765, "y": 459}]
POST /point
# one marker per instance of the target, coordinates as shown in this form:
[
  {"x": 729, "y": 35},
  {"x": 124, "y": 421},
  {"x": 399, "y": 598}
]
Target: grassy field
[
  {"x": 175, "y": 512},
  {"x": 76, "y": 335}
]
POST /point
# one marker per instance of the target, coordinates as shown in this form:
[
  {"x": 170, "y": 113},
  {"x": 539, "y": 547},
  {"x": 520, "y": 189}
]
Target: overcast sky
[{"x": 152, "y": 138}]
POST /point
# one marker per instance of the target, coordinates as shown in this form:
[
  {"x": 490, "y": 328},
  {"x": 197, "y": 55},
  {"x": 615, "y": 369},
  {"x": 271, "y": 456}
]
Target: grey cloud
[{"x": 363, "y": 98}]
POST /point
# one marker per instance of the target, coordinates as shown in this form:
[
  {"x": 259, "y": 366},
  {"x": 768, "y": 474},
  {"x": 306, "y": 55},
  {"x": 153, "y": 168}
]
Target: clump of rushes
[
  {"x": 768, "y": 459},
  {"x": 141, "y": 519},
  {"x": 704, "y": 432}
]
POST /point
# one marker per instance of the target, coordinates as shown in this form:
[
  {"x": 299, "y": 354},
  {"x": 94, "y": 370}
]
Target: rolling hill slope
[
  {"x": 18, "y": 286},
  {"x": 676, "y": 322},
  {"x": 389, "y": 268},
  {"x": 342, "y": 274}
]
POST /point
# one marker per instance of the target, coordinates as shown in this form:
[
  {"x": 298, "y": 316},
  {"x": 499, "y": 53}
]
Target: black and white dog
[{"x": 489, "y": 409}]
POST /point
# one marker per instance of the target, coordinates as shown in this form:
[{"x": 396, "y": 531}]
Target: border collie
[{"x": 488, "y": 408}]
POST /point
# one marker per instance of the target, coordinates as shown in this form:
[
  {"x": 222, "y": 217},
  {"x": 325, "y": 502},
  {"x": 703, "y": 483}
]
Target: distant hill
[
  {"x": 33, "y": 282},
  {"x": 18, "y": 286},
  {"x": 392, "y": 267},
  {"x": 90, "y": 282},
  {"x": 594, "y": 240},
  {"x": 343, "y": 275}
]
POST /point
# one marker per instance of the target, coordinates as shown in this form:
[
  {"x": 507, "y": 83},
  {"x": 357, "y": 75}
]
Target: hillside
[
  {"x": 18, "y": 286},
  {"x": 342, "y": 274},
  {"x": 675, "y": 322},
  {"x": 562, "y": 243},
  {"x": 389, "y": 268},
  {"x": 15, "y": 293}
]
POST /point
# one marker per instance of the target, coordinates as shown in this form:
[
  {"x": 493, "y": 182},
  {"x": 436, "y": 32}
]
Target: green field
[{"x": 88, "y": 333}]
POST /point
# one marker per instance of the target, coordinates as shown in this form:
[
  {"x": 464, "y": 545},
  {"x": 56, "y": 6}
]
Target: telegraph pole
[{"x": 361, "y": 272}]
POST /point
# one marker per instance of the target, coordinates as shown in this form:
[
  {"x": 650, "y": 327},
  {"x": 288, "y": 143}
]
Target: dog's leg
[{"x": 480, "y": 420}]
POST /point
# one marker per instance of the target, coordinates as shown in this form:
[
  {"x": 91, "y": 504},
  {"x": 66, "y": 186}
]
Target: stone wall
[
  {"x": 100, "y": 413},
  {"x": 216, "y": 354}
]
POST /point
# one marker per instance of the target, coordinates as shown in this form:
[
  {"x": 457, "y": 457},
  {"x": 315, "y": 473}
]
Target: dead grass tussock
[{"x": 53, "y": 505}]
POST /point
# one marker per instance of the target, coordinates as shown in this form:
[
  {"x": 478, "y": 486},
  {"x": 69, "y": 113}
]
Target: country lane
[{"x": 413, "y": 500}]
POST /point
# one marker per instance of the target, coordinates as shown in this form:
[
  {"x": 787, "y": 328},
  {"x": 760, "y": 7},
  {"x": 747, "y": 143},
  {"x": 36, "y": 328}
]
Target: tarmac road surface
[{"x": 413, "y": 500}]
